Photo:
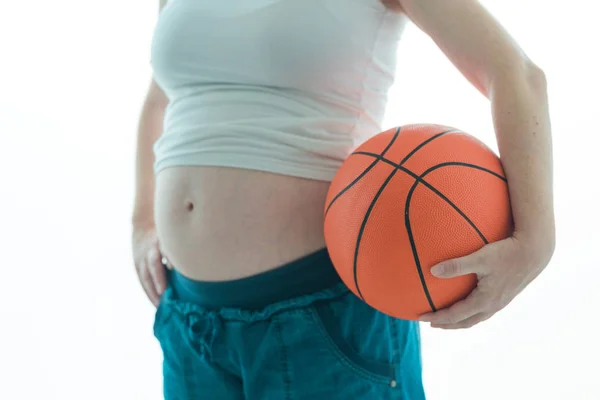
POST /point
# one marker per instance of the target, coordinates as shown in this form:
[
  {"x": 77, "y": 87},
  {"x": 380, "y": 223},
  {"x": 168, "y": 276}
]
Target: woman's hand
[
  {"x": 503, "y": 269},
  {"x": 148, "y": 263}
]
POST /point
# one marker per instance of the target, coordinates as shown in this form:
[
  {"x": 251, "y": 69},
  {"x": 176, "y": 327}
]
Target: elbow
[
  {"x": 521, "y": 74},
  {"x": 535, "y": 76}
]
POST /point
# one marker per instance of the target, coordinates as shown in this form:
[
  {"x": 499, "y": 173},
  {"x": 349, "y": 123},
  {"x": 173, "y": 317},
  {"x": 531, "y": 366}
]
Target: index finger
[{"x": 148, "y": 286}]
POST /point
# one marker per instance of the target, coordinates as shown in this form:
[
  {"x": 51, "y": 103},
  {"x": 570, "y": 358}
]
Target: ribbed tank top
[{"x": 286, "y": 86}]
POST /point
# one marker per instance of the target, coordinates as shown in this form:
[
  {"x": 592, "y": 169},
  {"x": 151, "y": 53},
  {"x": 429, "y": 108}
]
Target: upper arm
[
  {"x": 155, "y": 94},
  {"x": 470, "y": 36}
]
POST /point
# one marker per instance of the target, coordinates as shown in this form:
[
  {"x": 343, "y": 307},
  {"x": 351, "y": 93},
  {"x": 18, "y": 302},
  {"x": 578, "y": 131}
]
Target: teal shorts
[{"x": 293, "y": 333}]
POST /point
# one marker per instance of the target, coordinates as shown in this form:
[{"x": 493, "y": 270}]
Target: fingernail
[{"x": 437, "y": 270}]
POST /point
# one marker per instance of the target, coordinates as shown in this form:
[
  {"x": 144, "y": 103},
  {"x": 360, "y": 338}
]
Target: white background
[{"x": 74, "y": 323}]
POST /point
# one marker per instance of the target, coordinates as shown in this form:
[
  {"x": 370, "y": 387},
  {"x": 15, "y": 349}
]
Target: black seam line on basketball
[
  {"x": 446, "y": 164},
  {"x": 363, "y": 226},
  {"x": 413, "y": 246},
  {"x": 420, "y": 179},
  {"x": 409, "y": 155},
  {"x": 359, "y": 177},
  {"x": 409, "y": 229}
]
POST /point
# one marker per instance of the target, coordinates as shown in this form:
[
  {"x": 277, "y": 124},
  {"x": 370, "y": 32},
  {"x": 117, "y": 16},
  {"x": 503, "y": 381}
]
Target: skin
[{"x": 493, "y": 62}]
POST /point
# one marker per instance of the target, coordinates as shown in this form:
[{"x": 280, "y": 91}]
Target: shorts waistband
[{"x": 309, "y": 274}]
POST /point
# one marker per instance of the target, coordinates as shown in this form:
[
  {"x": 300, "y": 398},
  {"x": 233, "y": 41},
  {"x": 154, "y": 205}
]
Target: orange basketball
[{"x": 406, "y": 200}]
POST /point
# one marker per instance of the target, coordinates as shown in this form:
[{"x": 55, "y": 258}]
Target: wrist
[
  {"x": 538, "y": 243},
  {"x": 142, "y": 221}
]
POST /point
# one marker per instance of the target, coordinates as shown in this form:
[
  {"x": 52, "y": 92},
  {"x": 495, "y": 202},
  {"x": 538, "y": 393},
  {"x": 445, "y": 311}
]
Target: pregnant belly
[{"x": 217, "y": 223}]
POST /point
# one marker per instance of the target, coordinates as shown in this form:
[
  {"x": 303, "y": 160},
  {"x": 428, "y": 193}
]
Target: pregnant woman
[{"x": 253, "y": 106}]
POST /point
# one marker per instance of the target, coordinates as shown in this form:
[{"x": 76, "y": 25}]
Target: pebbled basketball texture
[{"x": 405, "y": 200}]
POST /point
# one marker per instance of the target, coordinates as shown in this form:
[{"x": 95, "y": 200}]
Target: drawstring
[{"x": 203, "y": 330}]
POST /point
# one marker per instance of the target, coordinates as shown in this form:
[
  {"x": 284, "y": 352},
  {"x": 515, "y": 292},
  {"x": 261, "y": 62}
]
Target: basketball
[{"x": 404, "y": 201}]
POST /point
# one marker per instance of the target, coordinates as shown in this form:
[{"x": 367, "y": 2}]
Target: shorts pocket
[{"x": 358, "y": 336}]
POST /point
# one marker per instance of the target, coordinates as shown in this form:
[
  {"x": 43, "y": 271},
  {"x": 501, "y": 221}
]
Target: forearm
[
  {"x": 149, "y": 130},
  {"x": 522, "y": 124}
]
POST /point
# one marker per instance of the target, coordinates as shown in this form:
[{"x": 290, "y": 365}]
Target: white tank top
[{"x": 286, "y": 86}]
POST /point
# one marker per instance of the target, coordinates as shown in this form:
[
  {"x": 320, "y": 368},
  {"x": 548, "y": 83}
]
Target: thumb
[{"x": 470, "y": 264}]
